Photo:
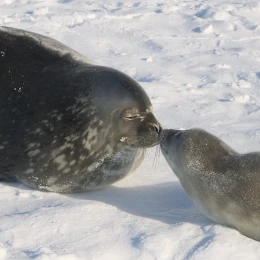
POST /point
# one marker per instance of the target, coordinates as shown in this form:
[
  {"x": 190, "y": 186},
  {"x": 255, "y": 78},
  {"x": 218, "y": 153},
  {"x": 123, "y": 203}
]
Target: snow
[{"x": 199, "y": 63}]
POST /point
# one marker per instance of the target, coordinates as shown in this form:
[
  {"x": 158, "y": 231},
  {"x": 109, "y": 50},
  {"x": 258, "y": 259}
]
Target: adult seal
[
  {"x": 224, "y": 184},
  {"x": 66, "y": 124}
]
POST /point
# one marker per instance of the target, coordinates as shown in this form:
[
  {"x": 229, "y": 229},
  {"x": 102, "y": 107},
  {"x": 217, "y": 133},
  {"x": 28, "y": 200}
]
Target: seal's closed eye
[{"x": 178, "y": 134}]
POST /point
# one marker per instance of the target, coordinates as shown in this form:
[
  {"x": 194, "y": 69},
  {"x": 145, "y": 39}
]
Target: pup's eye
[{"x": 177, "y": 135}]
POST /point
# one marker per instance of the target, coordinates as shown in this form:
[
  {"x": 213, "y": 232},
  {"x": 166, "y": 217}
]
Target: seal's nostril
[{"x": 157, "y": 128}]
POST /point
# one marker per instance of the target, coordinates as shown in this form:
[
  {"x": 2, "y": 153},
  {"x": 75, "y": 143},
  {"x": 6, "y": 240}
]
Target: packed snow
[{"x": 199, "y": 63}]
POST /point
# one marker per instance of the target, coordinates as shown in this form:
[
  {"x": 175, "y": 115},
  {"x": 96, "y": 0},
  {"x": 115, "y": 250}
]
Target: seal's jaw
[{"x": 126, "y": 106}]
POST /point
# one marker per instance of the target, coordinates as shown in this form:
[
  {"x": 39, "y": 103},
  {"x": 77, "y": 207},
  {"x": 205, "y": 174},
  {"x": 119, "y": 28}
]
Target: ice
[{"x": 199, "y": 63}]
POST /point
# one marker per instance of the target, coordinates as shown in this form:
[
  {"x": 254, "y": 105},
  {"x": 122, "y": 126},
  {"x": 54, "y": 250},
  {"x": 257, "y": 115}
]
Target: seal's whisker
[
  {"x": 156, "y": 158},
  {"x": 135, "y": 141}
]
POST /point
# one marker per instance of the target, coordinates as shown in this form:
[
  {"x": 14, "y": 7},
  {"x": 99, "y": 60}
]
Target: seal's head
[
  {"x": 192, "y": 150},
  {"x": 127, "y": 108}
]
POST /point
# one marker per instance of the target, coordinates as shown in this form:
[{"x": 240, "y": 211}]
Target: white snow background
[{"x": 198, "y": 61}]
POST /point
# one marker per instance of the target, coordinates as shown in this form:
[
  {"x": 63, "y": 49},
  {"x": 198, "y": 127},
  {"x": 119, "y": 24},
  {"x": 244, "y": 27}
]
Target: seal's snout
[{"x": 149, "y": 130}]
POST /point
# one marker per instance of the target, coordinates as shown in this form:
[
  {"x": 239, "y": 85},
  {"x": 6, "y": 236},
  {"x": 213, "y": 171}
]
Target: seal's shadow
[{"x": 165, "y": 202}]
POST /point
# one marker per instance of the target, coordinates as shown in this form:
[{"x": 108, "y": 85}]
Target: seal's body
[
  {"x": 66, "y": 124},
  {"x": 224, "y": 184}
]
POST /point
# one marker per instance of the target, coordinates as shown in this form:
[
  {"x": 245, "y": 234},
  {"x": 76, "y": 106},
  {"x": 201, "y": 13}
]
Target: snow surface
[{"x": 199, "y": 63}]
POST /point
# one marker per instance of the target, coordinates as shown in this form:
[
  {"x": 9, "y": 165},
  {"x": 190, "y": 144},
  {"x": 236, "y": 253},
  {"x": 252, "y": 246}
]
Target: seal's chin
[{"x": 142, "y": 145}]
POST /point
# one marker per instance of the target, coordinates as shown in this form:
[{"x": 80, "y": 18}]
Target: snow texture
[{"x": 199, "y": 63}]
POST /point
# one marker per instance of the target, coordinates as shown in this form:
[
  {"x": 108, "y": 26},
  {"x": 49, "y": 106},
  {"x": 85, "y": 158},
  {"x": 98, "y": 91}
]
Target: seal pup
[
  {"x": 66, "y": 124},
  {"x": 223, "y": 184}
]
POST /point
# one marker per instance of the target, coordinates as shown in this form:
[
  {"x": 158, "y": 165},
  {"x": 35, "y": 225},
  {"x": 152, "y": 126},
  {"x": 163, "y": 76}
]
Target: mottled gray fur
[
  {"x": 67, "y": 125},
  {"x": 224, "y": 184}
]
